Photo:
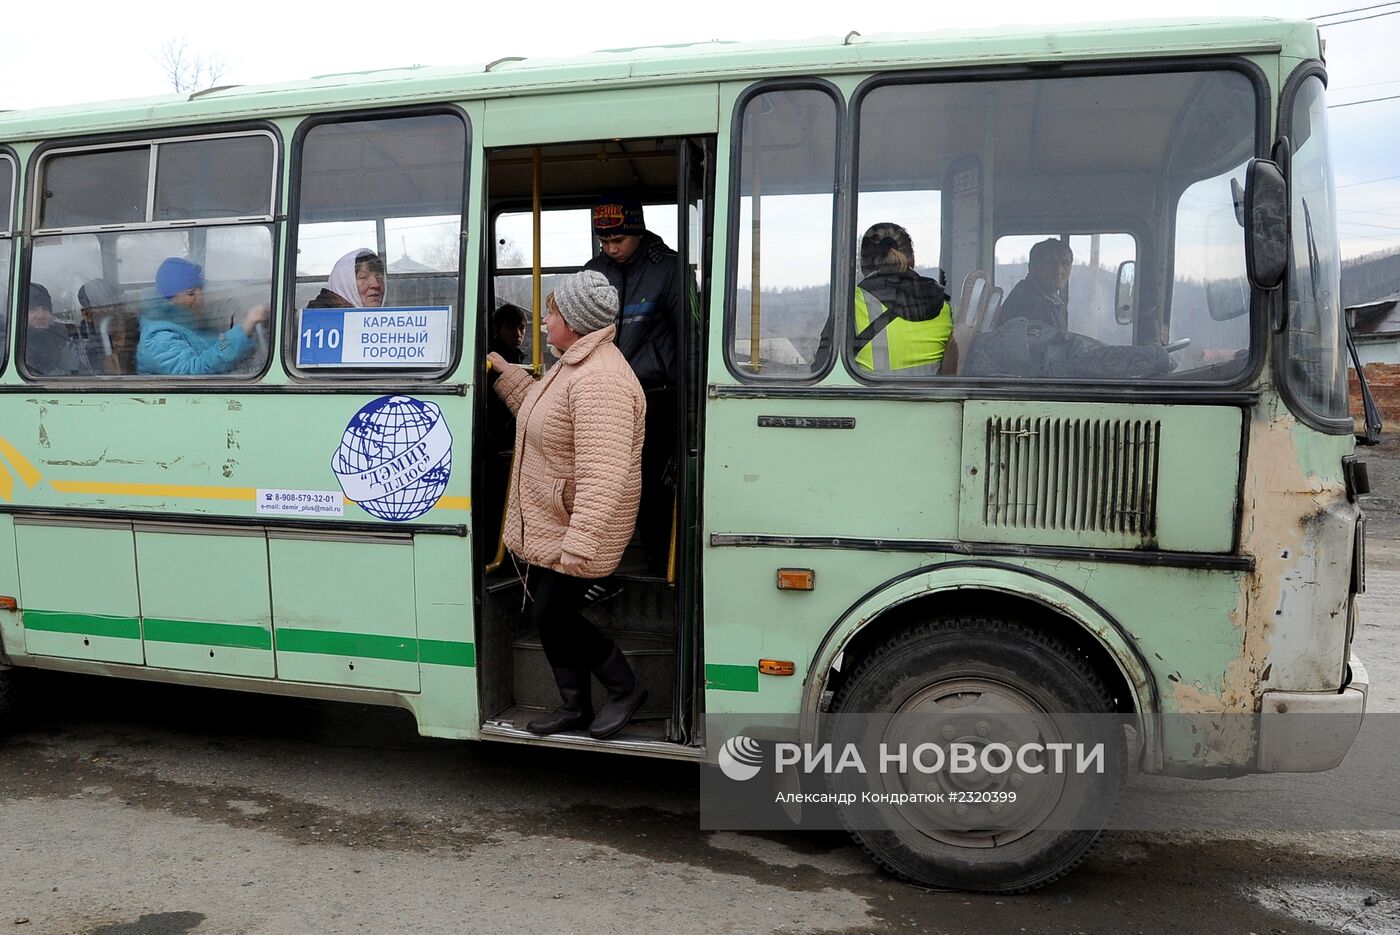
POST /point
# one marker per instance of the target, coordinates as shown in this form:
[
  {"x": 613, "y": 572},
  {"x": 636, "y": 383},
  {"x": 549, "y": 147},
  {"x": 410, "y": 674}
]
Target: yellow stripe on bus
[
  {"x": 453, "y": 503},
  {"x": 181, "y": 491},
  {"x": 154, "y": 490},
  {"x": 27, "y": 472}
]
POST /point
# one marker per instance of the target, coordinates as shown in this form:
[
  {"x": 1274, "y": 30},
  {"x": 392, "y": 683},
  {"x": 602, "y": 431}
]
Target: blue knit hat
[
  {"x": 618, "y": 214},
  {"x": 177, "y": 275}
]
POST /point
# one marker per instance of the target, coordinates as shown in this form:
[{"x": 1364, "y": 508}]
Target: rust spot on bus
[{"x": 1295, "y": 525}]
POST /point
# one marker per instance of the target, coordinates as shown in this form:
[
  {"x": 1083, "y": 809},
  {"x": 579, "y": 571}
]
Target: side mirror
[
  {"x": 1266, "y": 224},
  {"x": 1125, "y": 293},
  {"x": 1227, "y": 298}
]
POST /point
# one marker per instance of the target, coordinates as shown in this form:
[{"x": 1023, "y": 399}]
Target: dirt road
[{"x": 140, "y": 809}]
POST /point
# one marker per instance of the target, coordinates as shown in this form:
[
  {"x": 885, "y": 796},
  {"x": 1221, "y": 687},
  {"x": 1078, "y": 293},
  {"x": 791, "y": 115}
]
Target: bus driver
[{"x": 1043, "y": 296}]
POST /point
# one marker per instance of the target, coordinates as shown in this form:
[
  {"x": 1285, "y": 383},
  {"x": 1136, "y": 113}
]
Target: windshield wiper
[
  {"x": 1372, "y": 412},
  {"x": 1312, "y": 254},
  {"x": 1372, "y": 435}
]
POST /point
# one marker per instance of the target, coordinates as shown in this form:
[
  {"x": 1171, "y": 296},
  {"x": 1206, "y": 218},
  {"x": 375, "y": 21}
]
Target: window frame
[
  {"x": 124, "y": 140},
  {"x": 840, "y": 147},
  {"x": 288, "y": 325},
  {"x": 42, "y": 157},
  {"x": 10, "y": 228},
  {"x": 1302, "y": 411},
  {"x": 10, "y": 238},
  {"x": 959, "y": 386}
]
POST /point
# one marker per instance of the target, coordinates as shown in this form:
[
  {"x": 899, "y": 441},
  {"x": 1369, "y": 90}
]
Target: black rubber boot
[
  {"x": 575, "y": 713},
  {"x": 625, "y": 695}
]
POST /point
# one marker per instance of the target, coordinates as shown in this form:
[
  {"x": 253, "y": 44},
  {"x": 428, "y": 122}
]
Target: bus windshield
[
  {"x": 1315, "y": 370},
  {"x": 1134, "y": 176}
]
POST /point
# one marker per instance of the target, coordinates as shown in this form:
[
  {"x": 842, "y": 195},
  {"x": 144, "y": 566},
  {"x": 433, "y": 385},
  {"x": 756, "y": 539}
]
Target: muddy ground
[
  {"x": 150, "y": 810},
  {"x": 131, "y": 809},
  {"x": 1383, "y": 504}
]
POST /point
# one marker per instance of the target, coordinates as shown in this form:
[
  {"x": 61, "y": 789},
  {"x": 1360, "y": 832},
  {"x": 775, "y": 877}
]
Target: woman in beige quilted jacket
[{"x": 573, "y": 495}]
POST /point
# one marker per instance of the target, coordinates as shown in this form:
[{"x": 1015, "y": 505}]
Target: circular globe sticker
[{"x": 395, "y": 457}]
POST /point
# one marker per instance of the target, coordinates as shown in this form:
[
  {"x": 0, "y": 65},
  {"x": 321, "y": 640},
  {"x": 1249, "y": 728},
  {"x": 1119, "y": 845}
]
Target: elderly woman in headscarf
[
  {"x": 357, "y": 281},
  {"x": 573, "y": 495}
]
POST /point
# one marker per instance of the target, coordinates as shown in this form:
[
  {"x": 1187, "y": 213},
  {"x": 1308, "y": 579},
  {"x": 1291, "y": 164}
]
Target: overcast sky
[{"x": 107, "y": 51}]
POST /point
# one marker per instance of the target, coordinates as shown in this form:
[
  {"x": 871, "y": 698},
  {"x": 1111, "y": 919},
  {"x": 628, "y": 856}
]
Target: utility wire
[
  {"x": 1379, "y": 227},
  {"x": 1369, "y": 181},
  {"x": 1368, "y": 237},
  {"x": 1357, "y": 19},
  {"x": 1357, "y": 87},
  {"x": 1347, "y": 214},
  {"x": 1360, "y": 9},
  {"x": 1369, "y": 100}
]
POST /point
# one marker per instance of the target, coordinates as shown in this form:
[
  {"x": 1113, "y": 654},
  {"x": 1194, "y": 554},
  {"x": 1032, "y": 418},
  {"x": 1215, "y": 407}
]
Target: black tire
[
  {"x": 957, "y": 669},
  {"x": 10, "y": 696}
]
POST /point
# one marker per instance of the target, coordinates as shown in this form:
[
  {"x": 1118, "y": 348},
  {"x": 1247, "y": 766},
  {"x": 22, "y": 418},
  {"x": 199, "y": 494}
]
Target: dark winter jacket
[
  {"x": 653, "y": 303},
  {"x": 1030, "y": 301},
  {"x": 329, "y": 299},
  {"x": 50, "y": 352},
  {"x": 500, "y": 421}
]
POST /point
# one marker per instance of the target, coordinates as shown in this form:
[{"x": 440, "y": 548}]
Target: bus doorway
[{"x": 539, "y": 213}]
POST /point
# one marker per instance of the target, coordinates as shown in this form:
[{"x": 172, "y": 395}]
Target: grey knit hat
[
  {"x": 98, "y": 292},
  {"x": 587, "y": 301}
]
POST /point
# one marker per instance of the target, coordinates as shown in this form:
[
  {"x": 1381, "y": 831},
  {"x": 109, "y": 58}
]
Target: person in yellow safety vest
[{"x": 903, "y": 320}]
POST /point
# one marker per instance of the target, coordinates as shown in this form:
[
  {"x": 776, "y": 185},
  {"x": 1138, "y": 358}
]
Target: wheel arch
[{"x": 1034, "y": 598}]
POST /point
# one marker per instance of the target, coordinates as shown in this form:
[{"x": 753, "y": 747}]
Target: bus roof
[{"x": 679, "y": 64}]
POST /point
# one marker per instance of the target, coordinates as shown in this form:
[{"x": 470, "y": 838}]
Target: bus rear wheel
[
  {"x": 978, "y": 682},
  {"x": 9, "y": 697}
]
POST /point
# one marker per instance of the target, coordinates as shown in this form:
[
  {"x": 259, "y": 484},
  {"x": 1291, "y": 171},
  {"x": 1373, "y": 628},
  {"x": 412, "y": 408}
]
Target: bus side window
[
  {"x": 393, "y": 187},
  {"x": 99, "y": 263},
  {"x": 780, "y": 310}
]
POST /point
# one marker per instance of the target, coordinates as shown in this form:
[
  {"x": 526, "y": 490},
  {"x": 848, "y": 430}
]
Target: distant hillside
[
  {"x": 1370, "y": 277},
  {"x": 797, "y": 315}
]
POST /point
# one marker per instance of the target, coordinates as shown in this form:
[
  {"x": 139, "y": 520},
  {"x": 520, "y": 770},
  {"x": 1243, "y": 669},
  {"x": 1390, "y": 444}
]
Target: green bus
[{"x": 1148, "y": 508}]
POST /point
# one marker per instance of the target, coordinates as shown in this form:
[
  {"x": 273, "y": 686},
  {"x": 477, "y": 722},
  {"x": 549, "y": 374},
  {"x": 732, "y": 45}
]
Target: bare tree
[{"x": 188, "y": 69}]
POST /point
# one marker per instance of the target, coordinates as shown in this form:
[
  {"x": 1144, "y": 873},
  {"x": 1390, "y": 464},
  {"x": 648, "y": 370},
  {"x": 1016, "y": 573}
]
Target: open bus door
[{"x": 534, "y": 193}]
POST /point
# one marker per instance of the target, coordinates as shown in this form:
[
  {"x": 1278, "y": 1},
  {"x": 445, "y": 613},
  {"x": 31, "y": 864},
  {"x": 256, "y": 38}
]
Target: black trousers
[
  {"x": 569, "y": 640},
  {"x": 658, "y": 448}
]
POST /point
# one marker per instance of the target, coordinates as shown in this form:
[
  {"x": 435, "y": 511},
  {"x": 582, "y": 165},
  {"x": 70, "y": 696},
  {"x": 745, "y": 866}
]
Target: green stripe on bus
[
  {"x": 125, "y": 628},
  {"x": 444, "y": 653},
  {"x": 244, "y": 636},
  {"x": 202, "y": 633},
  {"x": 731, "y": 678},
  {"x": 363, "y": 645}
]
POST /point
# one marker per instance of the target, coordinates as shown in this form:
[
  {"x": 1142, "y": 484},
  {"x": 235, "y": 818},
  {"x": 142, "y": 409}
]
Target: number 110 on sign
[{"x": 320, "y": 339}]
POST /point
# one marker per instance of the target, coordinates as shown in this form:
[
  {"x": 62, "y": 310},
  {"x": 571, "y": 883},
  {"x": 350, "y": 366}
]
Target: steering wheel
[{"x": 1174, "y": 346}]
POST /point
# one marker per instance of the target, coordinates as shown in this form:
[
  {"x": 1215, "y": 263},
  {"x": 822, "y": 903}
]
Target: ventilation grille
[{"x": 1090, "y": 475}]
